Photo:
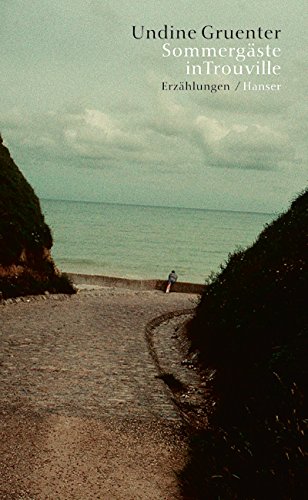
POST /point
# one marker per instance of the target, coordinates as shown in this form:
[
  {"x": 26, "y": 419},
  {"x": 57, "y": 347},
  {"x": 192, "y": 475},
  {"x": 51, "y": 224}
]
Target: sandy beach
[{"x": 83, "y": 412}]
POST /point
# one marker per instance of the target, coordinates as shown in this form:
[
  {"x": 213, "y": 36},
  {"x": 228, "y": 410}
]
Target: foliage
[
  {"x": 29, "y": 283},
  {"x": 25, "y": 238},
  {"x": 251, "y": 327},
  {"x": 22, "y": 224}
]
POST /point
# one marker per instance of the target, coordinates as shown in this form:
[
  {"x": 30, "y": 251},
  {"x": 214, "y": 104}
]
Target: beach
[{"x": 83, "y": 411}]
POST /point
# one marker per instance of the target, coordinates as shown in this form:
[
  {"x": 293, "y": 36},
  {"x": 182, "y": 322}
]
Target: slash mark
[{"x": 239, "y": 83}]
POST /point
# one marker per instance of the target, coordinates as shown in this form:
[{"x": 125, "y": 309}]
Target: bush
[
  {"x": 22, "y": 224},
  {"x": 251, "y": 327},
  {"x": 29, "y": 283},
  {"x": 25, "y": 239}
]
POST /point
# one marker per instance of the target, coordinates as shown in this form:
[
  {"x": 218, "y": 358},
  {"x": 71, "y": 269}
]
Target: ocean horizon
[{"x": 147, "y": 242}]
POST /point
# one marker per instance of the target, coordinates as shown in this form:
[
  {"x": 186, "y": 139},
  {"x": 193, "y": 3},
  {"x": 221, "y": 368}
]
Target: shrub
[
  {"x": 25, "y": 238},
  {"x": 251, "y": 327}
]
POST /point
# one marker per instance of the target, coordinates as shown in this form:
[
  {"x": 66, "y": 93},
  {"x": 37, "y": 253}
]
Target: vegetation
[
  {"x": 251, "y": 328},
  {"x": 32, "y": 283},
  {"x": 25, "y": 239}
]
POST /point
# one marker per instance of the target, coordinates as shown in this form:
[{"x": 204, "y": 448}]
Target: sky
[{"x": 84, "y": 116}]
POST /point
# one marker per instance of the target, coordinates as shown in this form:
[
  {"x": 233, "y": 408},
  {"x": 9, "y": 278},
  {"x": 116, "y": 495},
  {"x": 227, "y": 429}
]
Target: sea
[{"x": 146, "y": 242}]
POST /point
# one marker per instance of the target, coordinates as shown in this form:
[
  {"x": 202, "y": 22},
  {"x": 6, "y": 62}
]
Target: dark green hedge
[
  {"x": 251, "y": 327},
  {"x": 22, "y": 228},
  {"x": 22, "y": 224}
]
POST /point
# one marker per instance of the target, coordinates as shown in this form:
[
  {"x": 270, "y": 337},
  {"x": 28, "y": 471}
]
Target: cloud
[
  {"x": 256, "y": 147},
  {"x": 87, "y": 133},
  {"x": 95, "y": 134},
  {"x": 210, "y": 129},
  {"x": 238, "y": 146},
  {"x": 174, "y": 136}
]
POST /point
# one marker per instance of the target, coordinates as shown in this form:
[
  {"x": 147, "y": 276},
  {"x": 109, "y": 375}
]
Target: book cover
[{"x": 160, "y": 137}]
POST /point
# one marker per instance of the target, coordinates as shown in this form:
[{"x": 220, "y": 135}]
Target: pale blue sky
[{"x": 84, "y": 117}]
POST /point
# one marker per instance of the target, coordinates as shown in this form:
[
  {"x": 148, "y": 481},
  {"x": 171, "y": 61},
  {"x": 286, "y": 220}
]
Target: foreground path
[{"x": 82, "y": 413}]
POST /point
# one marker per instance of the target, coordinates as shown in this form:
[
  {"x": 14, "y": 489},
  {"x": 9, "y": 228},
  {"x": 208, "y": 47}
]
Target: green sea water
[{"x": 147, "y": 242}]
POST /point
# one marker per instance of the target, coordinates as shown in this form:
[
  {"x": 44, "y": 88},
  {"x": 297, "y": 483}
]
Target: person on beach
[{"x": 172, "y": 278}]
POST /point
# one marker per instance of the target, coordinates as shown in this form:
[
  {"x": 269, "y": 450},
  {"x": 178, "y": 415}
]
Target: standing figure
[{"x": 172, "y": 278}]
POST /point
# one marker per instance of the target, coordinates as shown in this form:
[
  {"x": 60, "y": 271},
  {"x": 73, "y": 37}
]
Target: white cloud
[
  {"x": 210, "y": 129},
  {"x": 173, "y": 136},
  {"x": 256, "y": 147}
]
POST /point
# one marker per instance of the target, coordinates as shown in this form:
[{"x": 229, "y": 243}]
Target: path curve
[
  {"x": 154, "y": 324},
  {"x": 83, "y": 414}
]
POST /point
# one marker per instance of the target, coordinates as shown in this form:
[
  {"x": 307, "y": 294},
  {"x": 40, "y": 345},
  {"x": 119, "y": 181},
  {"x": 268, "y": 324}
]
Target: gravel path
[{"x": 83, "y": 414}]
